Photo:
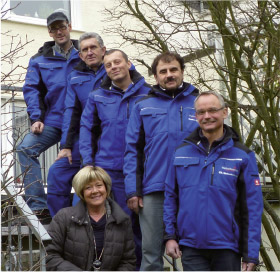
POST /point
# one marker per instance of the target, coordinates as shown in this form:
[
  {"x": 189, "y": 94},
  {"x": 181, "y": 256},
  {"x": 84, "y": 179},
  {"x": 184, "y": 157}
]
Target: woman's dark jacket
[{"x": 72, "y": 246}]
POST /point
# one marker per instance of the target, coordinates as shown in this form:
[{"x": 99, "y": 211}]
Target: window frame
[{"x": 74, "y": 8}]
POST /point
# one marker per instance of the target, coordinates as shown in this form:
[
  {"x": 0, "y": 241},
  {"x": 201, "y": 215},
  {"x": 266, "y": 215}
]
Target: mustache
[
  {"x": 208, "y": 121},
  {"x": 169, "y": 79}
]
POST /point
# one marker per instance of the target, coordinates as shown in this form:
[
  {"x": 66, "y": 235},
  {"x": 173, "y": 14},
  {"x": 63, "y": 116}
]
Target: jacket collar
[
  {"x": 118, "y": 215},
  {"x": 230, "y": 133},
  {"x": 82, "y": 67},
  {"x": 134, "y": 75},
  {"x": 47, "y": 49},
  {"x": 184, "y": 89},
  {"x": 79, "y": 213},
  {"x": 114, "y": 212}
]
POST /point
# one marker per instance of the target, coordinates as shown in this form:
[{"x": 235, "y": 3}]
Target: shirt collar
[
  {"x": 61, "y": 51},
  {"x": 119, "y": 89}
]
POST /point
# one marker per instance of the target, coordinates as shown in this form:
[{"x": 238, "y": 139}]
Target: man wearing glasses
[
  {"x": 213, "y": 199},
  {"x": 44, "y": 93}
]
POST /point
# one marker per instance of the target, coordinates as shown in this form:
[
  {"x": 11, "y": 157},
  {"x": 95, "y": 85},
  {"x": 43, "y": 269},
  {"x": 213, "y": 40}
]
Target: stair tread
[{"x": 14, "y": 230}]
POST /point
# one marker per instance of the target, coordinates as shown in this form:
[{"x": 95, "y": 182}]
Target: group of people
[{"x": 153, "y": 167}]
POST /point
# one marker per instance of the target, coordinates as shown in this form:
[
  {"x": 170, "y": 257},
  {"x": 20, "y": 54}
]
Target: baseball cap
[{"x": 56, "y": 16}]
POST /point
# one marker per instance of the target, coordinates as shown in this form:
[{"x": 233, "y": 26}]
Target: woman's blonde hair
[{"x": 87, "y": 175}]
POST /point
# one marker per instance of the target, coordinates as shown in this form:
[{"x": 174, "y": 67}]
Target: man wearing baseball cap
[{"x": 44, "y": 93}]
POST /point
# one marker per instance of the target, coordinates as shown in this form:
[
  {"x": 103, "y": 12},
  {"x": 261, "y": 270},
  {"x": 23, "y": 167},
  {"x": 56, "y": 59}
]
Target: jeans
[
  {"x": 152, "y": 227},
  {"x": 210, "y": 259},
  {"x": 60, "y": 178},
  {"x": 28, "y": 152}
]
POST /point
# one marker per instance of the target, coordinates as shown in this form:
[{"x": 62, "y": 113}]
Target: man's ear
[
  {"x": 50, "y": 34},
  {"x": 103, "y": 51},
  {"x": 225, "y": 113},
  {"x": 129, "y": 64},
  {"x": 155, "y": 76},
  {"x": 81, "y": 56},
  {"x": 70, "y": 27}
]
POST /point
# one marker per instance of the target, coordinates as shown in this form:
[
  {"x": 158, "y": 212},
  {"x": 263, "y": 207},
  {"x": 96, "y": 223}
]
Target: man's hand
[
  {"x": 248, "y": 266},
  {"x": 65, "y": 153},
  {"x": 37, "y": 127},
  {"x": 134, "y": 203},
  {"x": 172, "y": 249}
]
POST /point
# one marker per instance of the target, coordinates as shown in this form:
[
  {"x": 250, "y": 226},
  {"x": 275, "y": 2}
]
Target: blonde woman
[{"x": 95, "y": 234}]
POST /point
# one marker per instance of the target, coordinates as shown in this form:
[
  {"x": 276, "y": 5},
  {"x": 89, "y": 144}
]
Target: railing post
[
  {"x": 9, "y": 248},
  {"x": 30, "y": 248},
  {"x": 42, "y": 258},
  {"x": 19, "y": 246}
]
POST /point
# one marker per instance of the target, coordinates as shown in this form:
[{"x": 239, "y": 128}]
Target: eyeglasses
[
  {"x": 55, "y": 29},
  {"x": 210, "y": 111}
]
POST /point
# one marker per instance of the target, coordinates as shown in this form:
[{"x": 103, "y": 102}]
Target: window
[
  {"x": 38, "y": 9},
  {"x": 36, "y": 12},
  {"x": 199, "y": 6}
]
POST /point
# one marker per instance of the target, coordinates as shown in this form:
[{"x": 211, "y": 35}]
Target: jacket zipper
[
  {"x": 127, "y": 109},
  {"x": 212, "y": 174},
  {"x": 90, "y": 229},
  {"x": 181, "y": 117},
  {"x": 145, "y": 166}
]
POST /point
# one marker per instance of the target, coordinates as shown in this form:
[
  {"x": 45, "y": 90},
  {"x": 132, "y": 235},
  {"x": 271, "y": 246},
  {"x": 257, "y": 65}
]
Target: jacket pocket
[
  {"x": 79, "y": 80},
  {"x": 145, "y": 165},
  {"x": 188, "y": 120},
  {"x": 52, "y": 73},
  {"x": 225, "y": 174},
  {"x": 154, "y": 120},
  {"x": 107, "y": 107},
  {"x": 221, "y": 228},
  {"x": 235, "y": 230},
  {"x": 186, "y": 176},
  {"x": 104, "y": 100}
]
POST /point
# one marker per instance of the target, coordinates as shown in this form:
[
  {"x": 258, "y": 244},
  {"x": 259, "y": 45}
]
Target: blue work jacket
[
  {"x": 46, "y": 83},
  {"x": 157, "y": 125},
  {"x": 214, "y": 200},
  {"x": 81, "y": 82},
  {"x": 104, "y": 122}
]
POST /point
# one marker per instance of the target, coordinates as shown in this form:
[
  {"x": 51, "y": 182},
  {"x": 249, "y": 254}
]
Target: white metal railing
[
  {"x": 25, "y": 224},
  {"x": 34, "y": 227}
]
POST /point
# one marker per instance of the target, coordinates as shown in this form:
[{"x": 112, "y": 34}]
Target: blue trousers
[
  {"x": 28, "y": 152},
  {"x": 152, "y": 227},
  {"x": 210, "y": 259},
  {"x": 60, "y": 178}
]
